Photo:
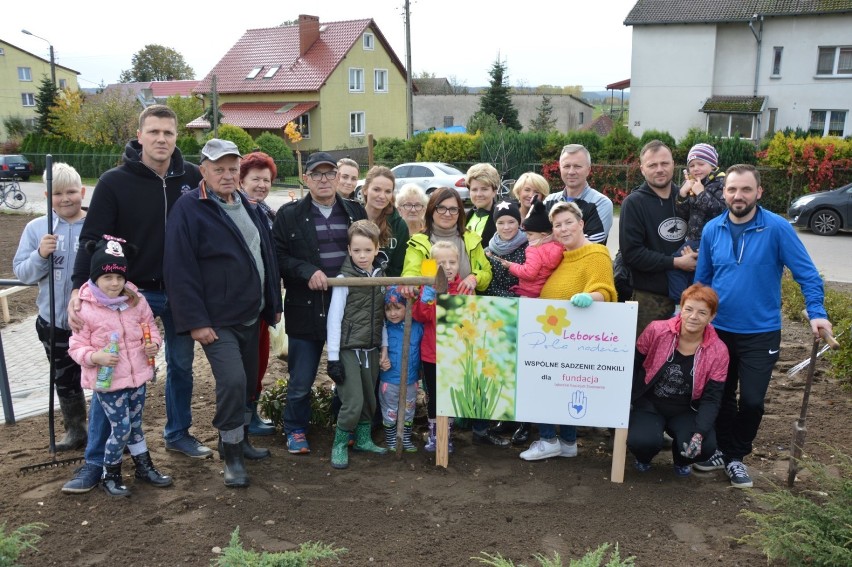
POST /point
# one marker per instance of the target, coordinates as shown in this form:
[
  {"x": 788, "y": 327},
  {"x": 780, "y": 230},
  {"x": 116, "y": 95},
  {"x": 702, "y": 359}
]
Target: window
[
  {"x": 253, "y": 73},
  {"x": 827, "y": 122},
  {"x": 30, "y": 122},
  {"x": 63, "y": 83},
  {"x": 776, "y": 61},
  {"x": 25, "y": 74},
  {"x": 369, "y": 42},
  {"x": 303, "y": 123},
  {"x": 728, "y": 125},
  {"x": 356, "y": 80},
  {"x": 28, "y": 99},
  {"x": 773, "y": 118},
  {"x": 834, "y": 61},
  {"x": 356, "y": 123},
  {"x": 582, "y": 117},
  {"x": 448, "y": 121},
  {"x": 381, "y": 78},
  {"x": 2, "y": 51},
  {"x": 271, "y": 73}
]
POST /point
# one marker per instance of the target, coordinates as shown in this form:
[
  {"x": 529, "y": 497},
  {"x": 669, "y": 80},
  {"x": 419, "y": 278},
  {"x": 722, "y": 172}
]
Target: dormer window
[
  {"x": 254, "y": 72},
  {"x": 369, "y": 42},
  {"x": 269, "y": 74}
]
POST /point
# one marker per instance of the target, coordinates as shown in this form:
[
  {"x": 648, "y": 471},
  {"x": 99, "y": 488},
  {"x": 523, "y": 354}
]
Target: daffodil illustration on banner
[{"x": 535, "y": 360}]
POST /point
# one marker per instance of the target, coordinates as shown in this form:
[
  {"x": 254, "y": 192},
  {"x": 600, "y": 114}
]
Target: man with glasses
[{"x": 311, "y": 239}]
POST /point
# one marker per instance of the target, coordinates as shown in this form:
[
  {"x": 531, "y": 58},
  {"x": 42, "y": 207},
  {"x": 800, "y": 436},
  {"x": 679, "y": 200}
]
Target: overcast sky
[{"x": 542, "y": 41}]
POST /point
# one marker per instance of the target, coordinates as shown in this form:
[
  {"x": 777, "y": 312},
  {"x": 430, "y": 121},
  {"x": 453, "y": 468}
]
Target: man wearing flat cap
[
  {"x": 221, "y": 269},
  {"x": 311, "y": 241}
]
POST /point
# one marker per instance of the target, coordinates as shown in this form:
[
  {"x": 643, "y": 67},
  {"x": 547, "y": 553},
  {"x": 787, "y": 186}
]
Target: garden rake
[
  {"x": 800, "y": 427},
  {"x": 53, "y": 462}
]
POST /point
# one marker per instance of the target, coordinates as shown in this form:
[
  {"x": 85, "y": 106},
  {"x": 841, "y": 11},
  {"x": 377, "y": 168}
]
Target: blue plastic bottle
[{"x": 105, "y": 372}]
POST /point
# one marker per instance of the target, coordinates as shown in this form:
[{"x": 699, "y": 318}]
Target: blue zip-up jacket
[
  {"x": 748, "y": 280},
  {"x": 395, "y": 334},
  {"x": 30, "y": 267},
  {"x": 209, "y": 269}
]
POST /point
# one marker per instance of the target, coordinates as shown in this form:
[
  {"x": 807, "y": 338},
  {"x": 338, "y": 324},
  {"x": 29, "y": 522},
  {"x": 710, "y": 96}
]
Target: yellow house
[
  {"x": 338, "y": 81},
  {"x": 20, "y": 77}
]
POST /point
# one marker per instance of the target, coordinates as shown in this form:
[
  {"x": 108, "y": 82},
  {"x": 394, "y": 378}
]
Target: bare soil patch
[{"x": 407, "y": 512}]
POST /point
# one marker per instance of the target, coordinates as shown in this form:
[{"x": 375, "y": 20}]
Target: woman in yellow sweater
[{"x": 583, "y": 277}]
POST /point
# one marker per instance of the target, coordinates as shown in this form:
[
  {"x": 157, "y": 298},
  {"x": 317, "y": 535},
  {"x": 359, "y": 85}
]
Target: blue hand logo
[{"x": 577, "y": 409}]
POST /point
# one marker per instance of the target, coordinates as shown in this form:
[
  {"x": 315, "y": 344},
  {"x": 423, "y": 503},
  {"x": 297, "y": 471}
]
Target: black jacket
[
  {"x": 649, "y": 233},
  {"x": 209, "y": 268},
  {"x": 132, "y": 202},
  {"x": 305, "y": 310}
]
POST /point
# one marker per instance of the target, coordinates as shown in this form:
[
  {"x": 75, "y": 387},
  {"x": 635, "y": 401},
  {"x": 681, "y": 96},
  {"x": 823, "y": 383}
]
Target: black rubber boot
[
  {"x": 111, "y": 481},
  {"x": 146, "y": 471},
  {"x": 249, "y": 452},
  {"x": 235, "y": 468},
  {"x": 74, "y": 414}
]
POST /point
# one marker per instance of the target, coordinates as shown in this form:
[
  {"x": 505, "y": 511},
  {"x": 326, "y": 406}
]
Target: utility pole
[
  {"x": 409, "y": 87},
  {"x": 52, "y": 59},
  {"x": 214, "y": 100}
]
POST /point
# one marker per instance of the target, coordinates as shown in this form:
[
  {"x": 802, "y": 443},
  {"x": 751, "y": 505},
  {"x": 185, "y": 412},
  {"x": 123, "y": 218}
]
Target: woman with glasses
[
  {"x": 347, "y": 177},
  {"x": 378, "y": 201},
  {"x": 445, "y": 222},
  {"x": 411, "y": 203},
  {"x": 583, "y": 277},
  {"x": 482, "y": 181}
]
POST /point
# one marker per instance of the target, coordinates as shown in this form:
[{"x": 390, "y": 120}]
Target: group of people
[{"x": 198, "y": 248}]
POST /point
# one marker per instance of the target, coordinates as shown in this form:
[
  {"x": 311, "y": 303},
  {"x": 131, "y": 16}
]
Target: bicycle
[{"x": 11, "y": 194}]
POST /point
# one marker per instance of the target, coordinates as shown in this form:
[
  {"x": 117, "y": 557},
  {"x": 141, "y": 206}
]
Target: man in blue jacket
[
  {"x": 743, "y": 254},
  {"x": 222, "y": 274}
]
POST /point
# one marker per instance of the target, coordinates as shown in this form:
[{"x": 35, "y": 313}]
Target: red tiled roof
[
  {"x": 602, "y": 125},
  {"x": 267, "y": 48},
  {"x": 163, "y": 89},
  {"x": 258, "y": 115}
]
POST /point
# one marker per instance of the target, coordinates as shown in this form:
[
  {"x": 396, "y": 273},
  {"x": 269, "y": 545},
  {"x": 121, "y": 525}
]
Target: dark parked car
[
  {"x": 15, "y": 165},
  {"x": 825, "y": 212}
]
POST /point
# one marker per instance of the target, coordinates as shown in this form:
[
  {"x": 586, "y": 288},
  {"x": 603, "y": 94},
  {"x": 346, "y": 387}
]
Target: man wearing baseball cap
[
  {"x": 311, "y": 241},
  {"x": 221, "y": 269}
]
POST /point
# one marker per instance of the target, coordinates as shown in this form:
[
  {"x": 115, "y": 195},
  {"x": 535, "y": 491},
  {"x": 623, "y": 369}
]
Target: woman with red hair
[
  {"x": 678, "y": 378},
  {"x": 257, "y": 172}
]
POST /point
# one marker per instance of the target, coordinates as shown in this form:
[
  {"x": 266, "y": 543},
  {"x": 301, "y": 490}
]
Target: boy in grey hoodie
[{"x": 32, "y": 265}]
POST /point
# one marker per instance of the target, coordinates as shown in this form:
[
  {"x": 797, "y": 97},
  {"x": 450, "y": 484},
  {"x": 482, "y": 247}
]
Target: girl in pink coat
[
  {"x": 543, "y": 255},
  {"x": 116, "y": 349}
]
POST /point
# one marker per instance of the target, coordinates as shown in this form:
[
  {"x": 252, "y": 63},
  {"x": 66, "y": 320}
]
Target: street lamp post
[{"x": 52, "y": 60}]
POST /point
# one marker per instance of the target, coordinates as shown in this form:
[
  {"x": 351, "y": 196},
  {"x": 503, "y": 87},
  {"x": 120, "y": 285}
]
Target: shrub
[
  {"x": 817, "y": 160},
  {"x": 595, "y": 558},
  {"x": 451, "y": 147},
  {"x": 308, "y": 553},
  {"x": 390, "y": 151},
  {"x": 274, "y": 146},
  {"x": 14, "y": 543},
  {"x": 188, "y": 146},
  {"x": 664, "y": 137},
  {"x": 809, "y": 528},
  {"x": 273, "y": 399},
  {"x": 620, "y": 146},
  {"x": 235, "y": 134}
]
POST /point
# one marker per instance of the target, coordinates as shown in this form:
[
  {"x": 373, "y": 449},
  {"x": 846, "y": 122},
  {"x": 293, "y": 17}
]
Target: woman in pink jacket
[
  {"x": 679, "y": 375},
  {"x": 116, "y": 349}
]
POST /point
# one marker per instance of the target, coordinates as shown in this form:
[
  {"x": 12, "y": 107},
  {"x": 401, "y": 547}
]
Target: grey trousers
[
  {"x": 358, "y": 392},
  {"x": 233, "y": 361}
]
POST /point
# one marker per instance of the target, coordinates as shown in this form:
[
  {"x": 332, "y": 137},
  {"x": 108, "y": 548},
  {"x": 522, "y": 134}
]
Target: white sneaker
[
  {"x": 567, "y": 449},
  {"x": 542, "y": 449}
]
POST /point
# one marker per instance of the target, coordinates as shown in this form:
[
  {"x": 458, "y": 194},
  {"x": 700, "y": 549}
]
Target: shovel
[
  {"x": 53, "y": 462},
  {"x": 800, "y": 427}
]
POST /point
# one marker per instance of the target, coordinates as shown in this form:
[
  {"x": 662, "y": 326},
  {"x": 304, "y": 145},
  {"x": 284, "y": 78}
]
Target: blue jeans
[
  {"x": 99, "y": 431},
  {"x": 568, "y": 433},
  {"x": 179, "y": 355},
  {"x": 303, "y": 359}
]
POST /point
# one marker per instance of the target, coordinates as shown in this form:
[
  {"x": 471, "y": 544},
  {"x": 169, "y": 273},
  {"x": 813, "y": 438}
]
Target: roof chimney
[{"x": 308, "y": 32}]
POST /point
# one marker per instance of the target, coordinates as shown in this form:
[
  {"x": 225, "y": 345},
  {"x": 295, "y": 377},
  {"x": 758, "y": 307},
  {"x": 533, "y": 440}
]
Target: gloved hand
[
  {"x": 693, "y": 449},
  {"x": 581, "y": 300},
  {"x": 335, "y": 371},
  {"x": 428, "y": 295}
]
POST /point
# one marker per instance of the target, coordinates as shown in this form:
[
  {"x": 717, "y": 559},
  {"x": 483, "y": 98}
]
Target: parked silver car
[{"x": 429, "y": 175}]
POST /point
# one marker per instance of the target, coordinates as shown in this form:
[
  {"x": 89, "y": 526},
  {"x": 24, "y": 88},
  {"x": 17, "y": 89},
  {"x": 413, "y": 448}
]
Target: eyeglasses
[
  {"x": 442, "y": 210},
  {"x": 329, "y": 175},
  {"x": 411, "y": 206}
]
